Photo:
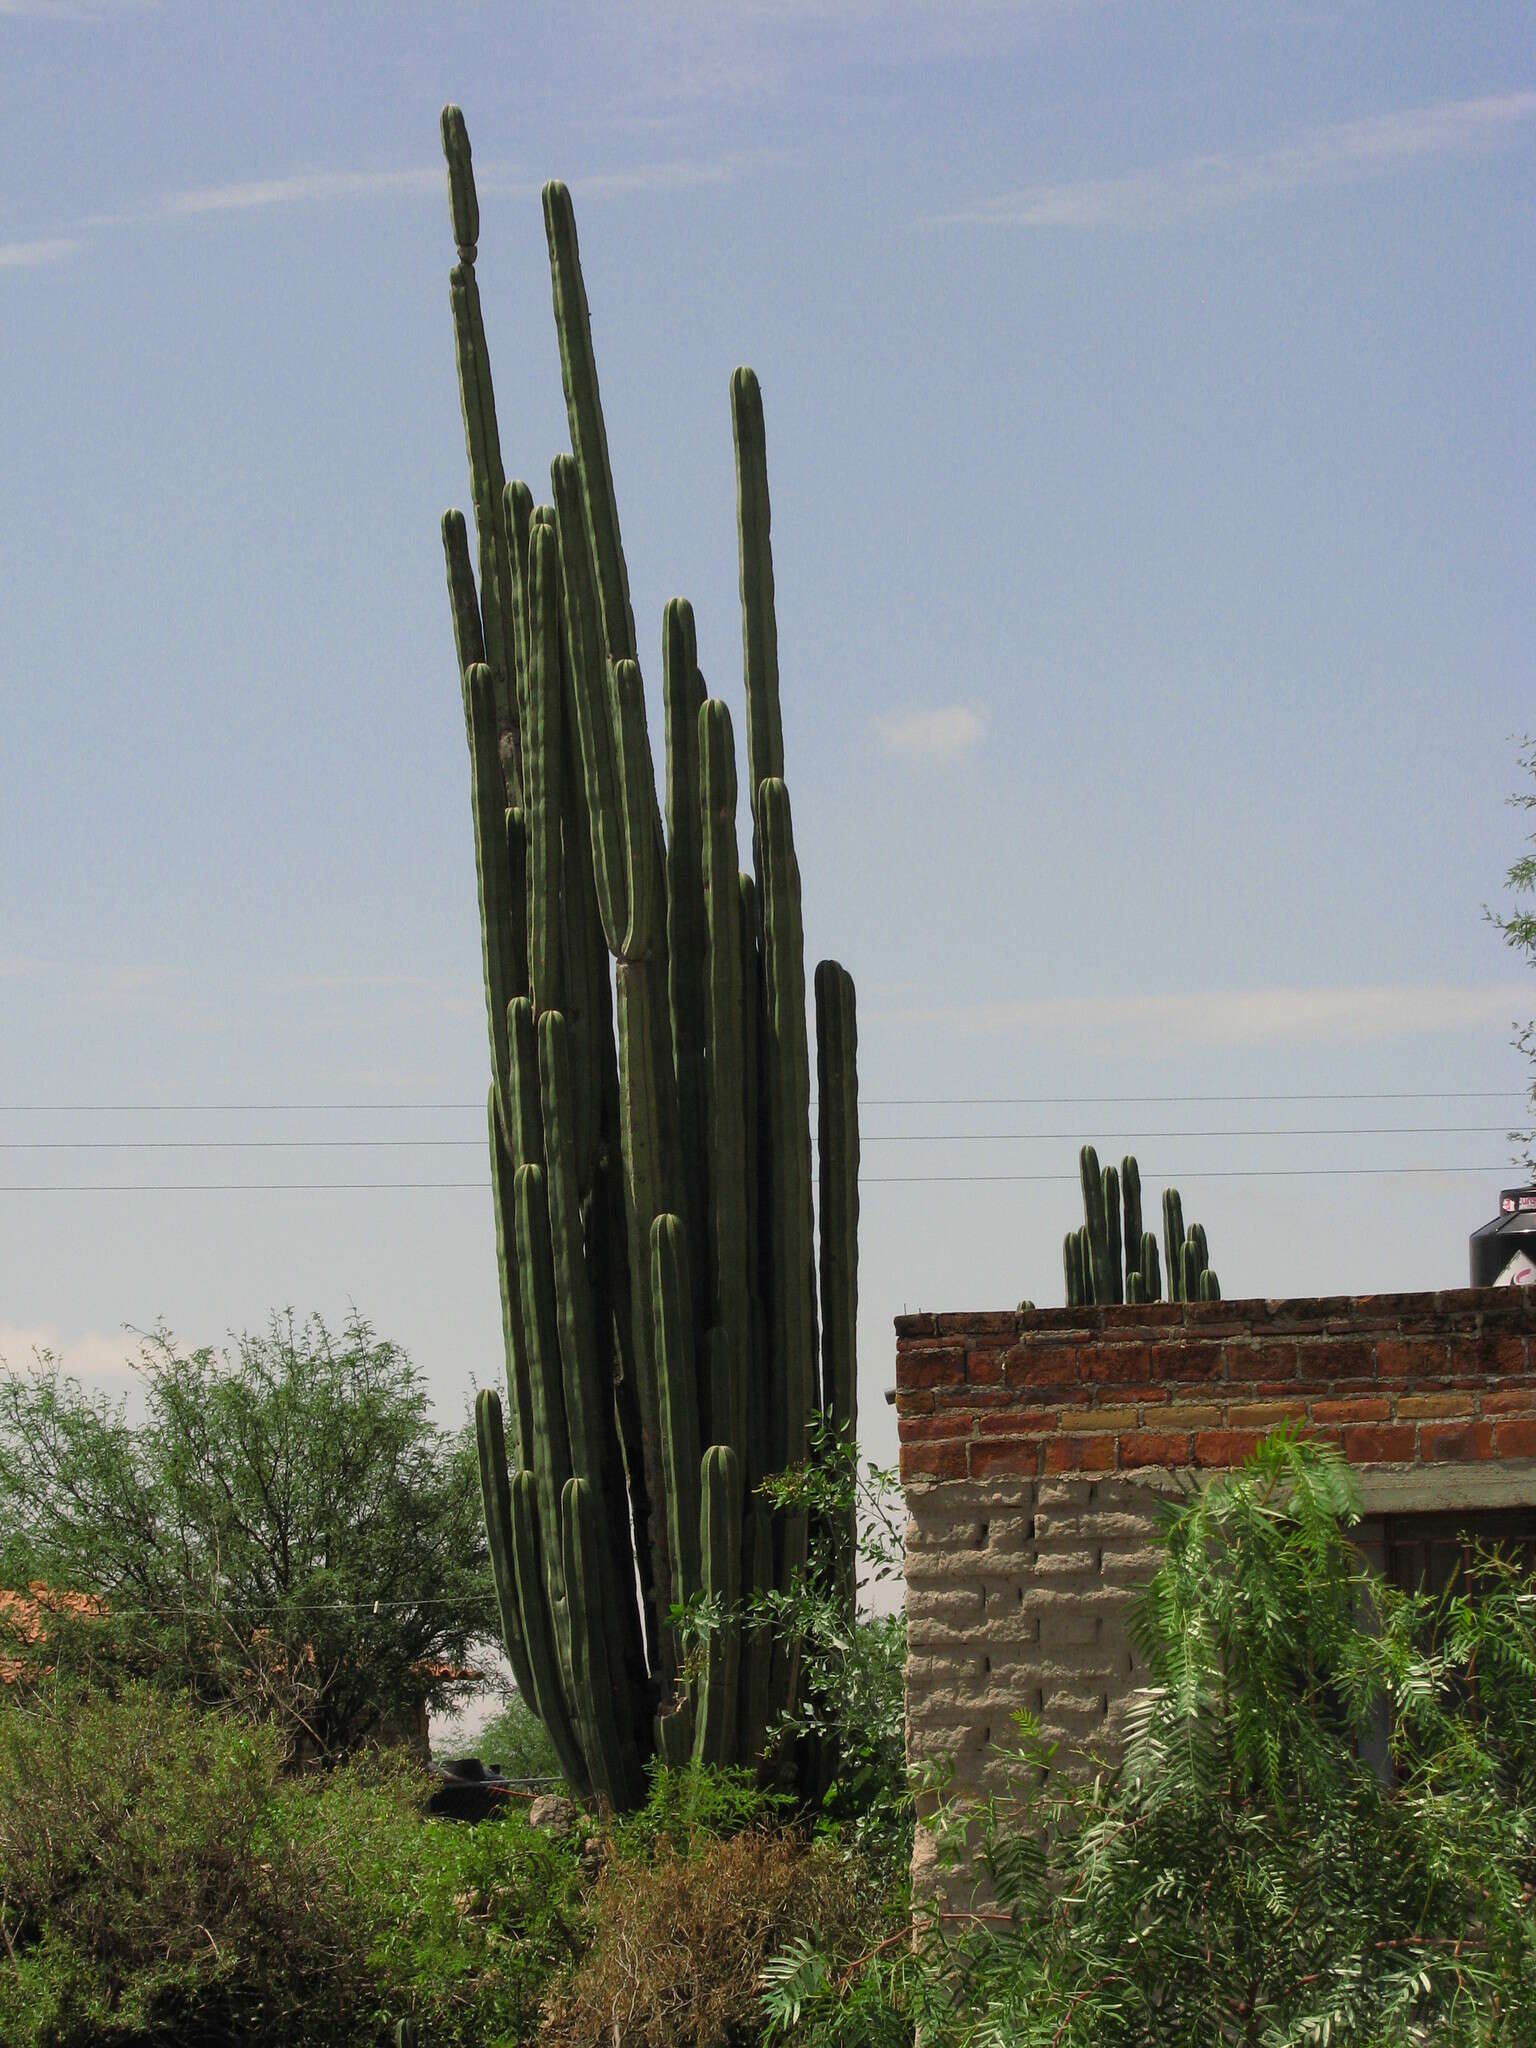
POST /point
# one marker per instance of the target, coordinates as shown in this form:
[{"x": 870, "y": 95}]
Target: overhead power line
[
  {"x": 866, "y": 1137},
  {"x": 868, "y": 1101},
  {"x": 361, "y": 1187}
]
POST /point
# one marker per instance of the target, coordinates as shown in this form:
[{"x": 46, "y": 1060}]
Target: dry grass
[{"x": 681, "y": 1945}]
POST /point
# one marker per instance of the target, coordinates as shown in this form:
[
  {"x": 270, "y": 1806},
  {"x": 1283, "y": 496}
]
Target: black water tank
[{"x": 1504, "y": 1251}]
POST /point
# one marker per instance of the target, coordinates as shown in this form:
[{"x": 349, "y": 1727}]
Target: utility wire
[
  {"x": 868, "y": 1101},
  {"x": 866, "y": 1138},
  {"x": 315, "y": 1187}
]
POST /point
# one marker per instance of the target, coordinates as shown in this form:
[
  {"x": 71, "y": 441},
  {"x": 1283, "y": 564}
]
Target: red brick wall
[{"x": 1394, "y": 1379}]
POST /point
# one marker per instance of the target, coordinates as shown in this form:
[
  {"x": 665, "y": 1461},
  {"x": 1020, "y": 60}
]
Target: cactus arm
[
  {"x": 1096, "y": 1278},
  {"x": 1112, "y": 1234},
  {"x": 588, "y": 1002},
  {"x": 487, "y": 484},
  {"x": 755, "y": 1405},
  {"x": 586, "y": 1405},
  {"x": 463, "y": 202},
  {"x": 468, "y": 635},
  {"x": 589, "y": 436},
  {"x": 1150, "y": 1278},
  {"x": 517, "y": 516},
  {"x": 786, "y": 1065},
  {"x": 1173, "y": 1242},
  {"x": 837, "y": 1086},
  {"x": 1130, "y": 1195},
  {"x": 1210, "y": 1286},
  {"x": 548, "y": 1660},
  {"x": 646, "y": 1190},
  {"x": 837, "y": 1096},
  {"x": 543, "y": 773},
  {"x": 607, "y": 1737},
  {"x": 1070, "y": 1270},
  {"x": 551, "y": 1439},
  {"x": 645, "y": 884},
  {"x": 1135, "y": 1286},
  {"x": 496, "y": 1500},
  {"x": 719, "y": 1540},
  {"x": 725, "y": 1070},
  {"x": 514, "y": 1336},
  {"x": 677, "y": 1380},
  {"x": 525, "y": 1129},
  {"x": 515, "y": 949},
  {"x": 687, "y": 945},
  {"x": 594, "y": 720},
  {"x": 759, "y": 629},
  {"x": 500, "y": 951}
]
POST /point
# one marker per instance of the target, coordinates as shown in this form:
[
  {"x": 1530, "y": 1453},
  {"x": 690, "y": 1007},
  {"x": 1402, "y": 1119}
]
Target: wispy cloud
[
  {"x": 73, "y": 10},
  {"x": 304, "y": 188},
  {"x": 92, "y": 1356},
  {"x": 1226, "y": 1017},
  {"x": 680, "y": 52},
  {"x": 942, "y": 732},
  {"x": 33, "y": 255},
  {"x": 1197, "y": 188},
  {"x": 247, "y": 196}
]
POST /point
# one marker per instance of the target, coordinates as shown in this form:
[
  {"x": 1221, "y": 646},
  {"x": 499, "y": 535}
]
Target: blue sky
[{"x": 1150, "y": 432}]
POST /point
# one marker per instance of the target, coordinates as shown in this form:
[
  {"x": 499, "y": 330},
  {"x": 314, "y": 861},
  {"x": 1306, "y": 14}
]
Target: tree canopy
[{"x": 283, "y": 1528}]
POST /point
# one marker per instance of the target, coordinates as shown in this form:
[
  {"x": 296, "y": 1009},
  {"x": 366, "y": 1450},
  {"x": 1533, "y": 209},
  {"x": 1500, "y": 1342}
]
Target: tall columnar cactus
[
  {"x": 668, "y": 1332},
  {"x": 1096, "y": 1267}
]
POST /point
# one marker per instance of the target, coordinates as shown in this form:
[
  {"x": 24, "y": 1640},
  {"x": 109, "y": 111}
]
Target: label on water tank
[{"x": 1520, "y": 1272}]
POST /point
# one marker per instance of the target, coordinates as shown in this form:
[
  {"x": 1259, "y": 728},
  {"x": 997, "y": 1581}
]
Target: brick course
[{"x": 1148, "y": 1380}]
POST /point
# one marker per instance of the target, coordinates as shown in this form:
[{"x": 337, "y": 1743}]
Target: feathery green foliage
[{"x": 1245, "y": 1874}]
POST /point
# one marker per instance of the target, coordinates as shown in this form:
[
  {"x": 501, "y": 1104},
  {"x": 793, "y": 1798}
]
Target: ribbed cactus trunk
[{"x": 649, "y": 1116}]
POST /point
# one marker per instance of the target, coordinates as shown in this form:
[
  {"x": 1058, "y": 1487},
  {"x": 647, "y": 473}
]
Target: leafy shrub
[
  {"x": 463, "y": 1927},
  {"x": 1246, "y": 1875},
  {"x": 143, "y": 1896}
]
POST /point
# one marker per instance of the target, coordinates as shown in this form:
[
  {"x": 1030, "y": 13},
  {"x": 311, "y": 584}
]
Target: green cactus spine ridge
[
  {"x": 670, "y": 1318},
  {"x": 683, "y": 693},
  {"x": 1095, "y": 1223},
  {"x": 759, "y": 625},
  {"x": 1113, "y": 1267},
  {"x": 725, "y": 1074},
  {"x": 544, "y": 771},
  {"x": 1173, "y": 1242},
  {"x": 547, "y": 1662},
  {"x": 678, "y": 1387},
  {"x": 608, "y": 1741},
  {"x": 1072, "y": 1262},
  {"x": 719, "y": 1544},
  {"x": 496, "y": 1493}
]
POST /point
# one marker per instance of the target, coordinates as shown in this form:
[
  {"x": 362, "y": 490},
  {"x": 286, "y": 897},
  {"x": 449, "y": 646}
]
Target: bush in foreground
[
  {"x": 165, "y": 1884},
  {"x": 1247, "y": 1875},
  {"x": 145, "y": 1895}
]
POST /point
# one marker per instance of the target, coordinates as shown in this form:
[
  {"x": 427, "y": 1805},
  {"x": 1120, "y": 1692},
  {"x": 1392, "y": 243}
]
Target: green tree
[
  {"x": 284, "y": 1529},
  {"x": 1519, "y": 927}
]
